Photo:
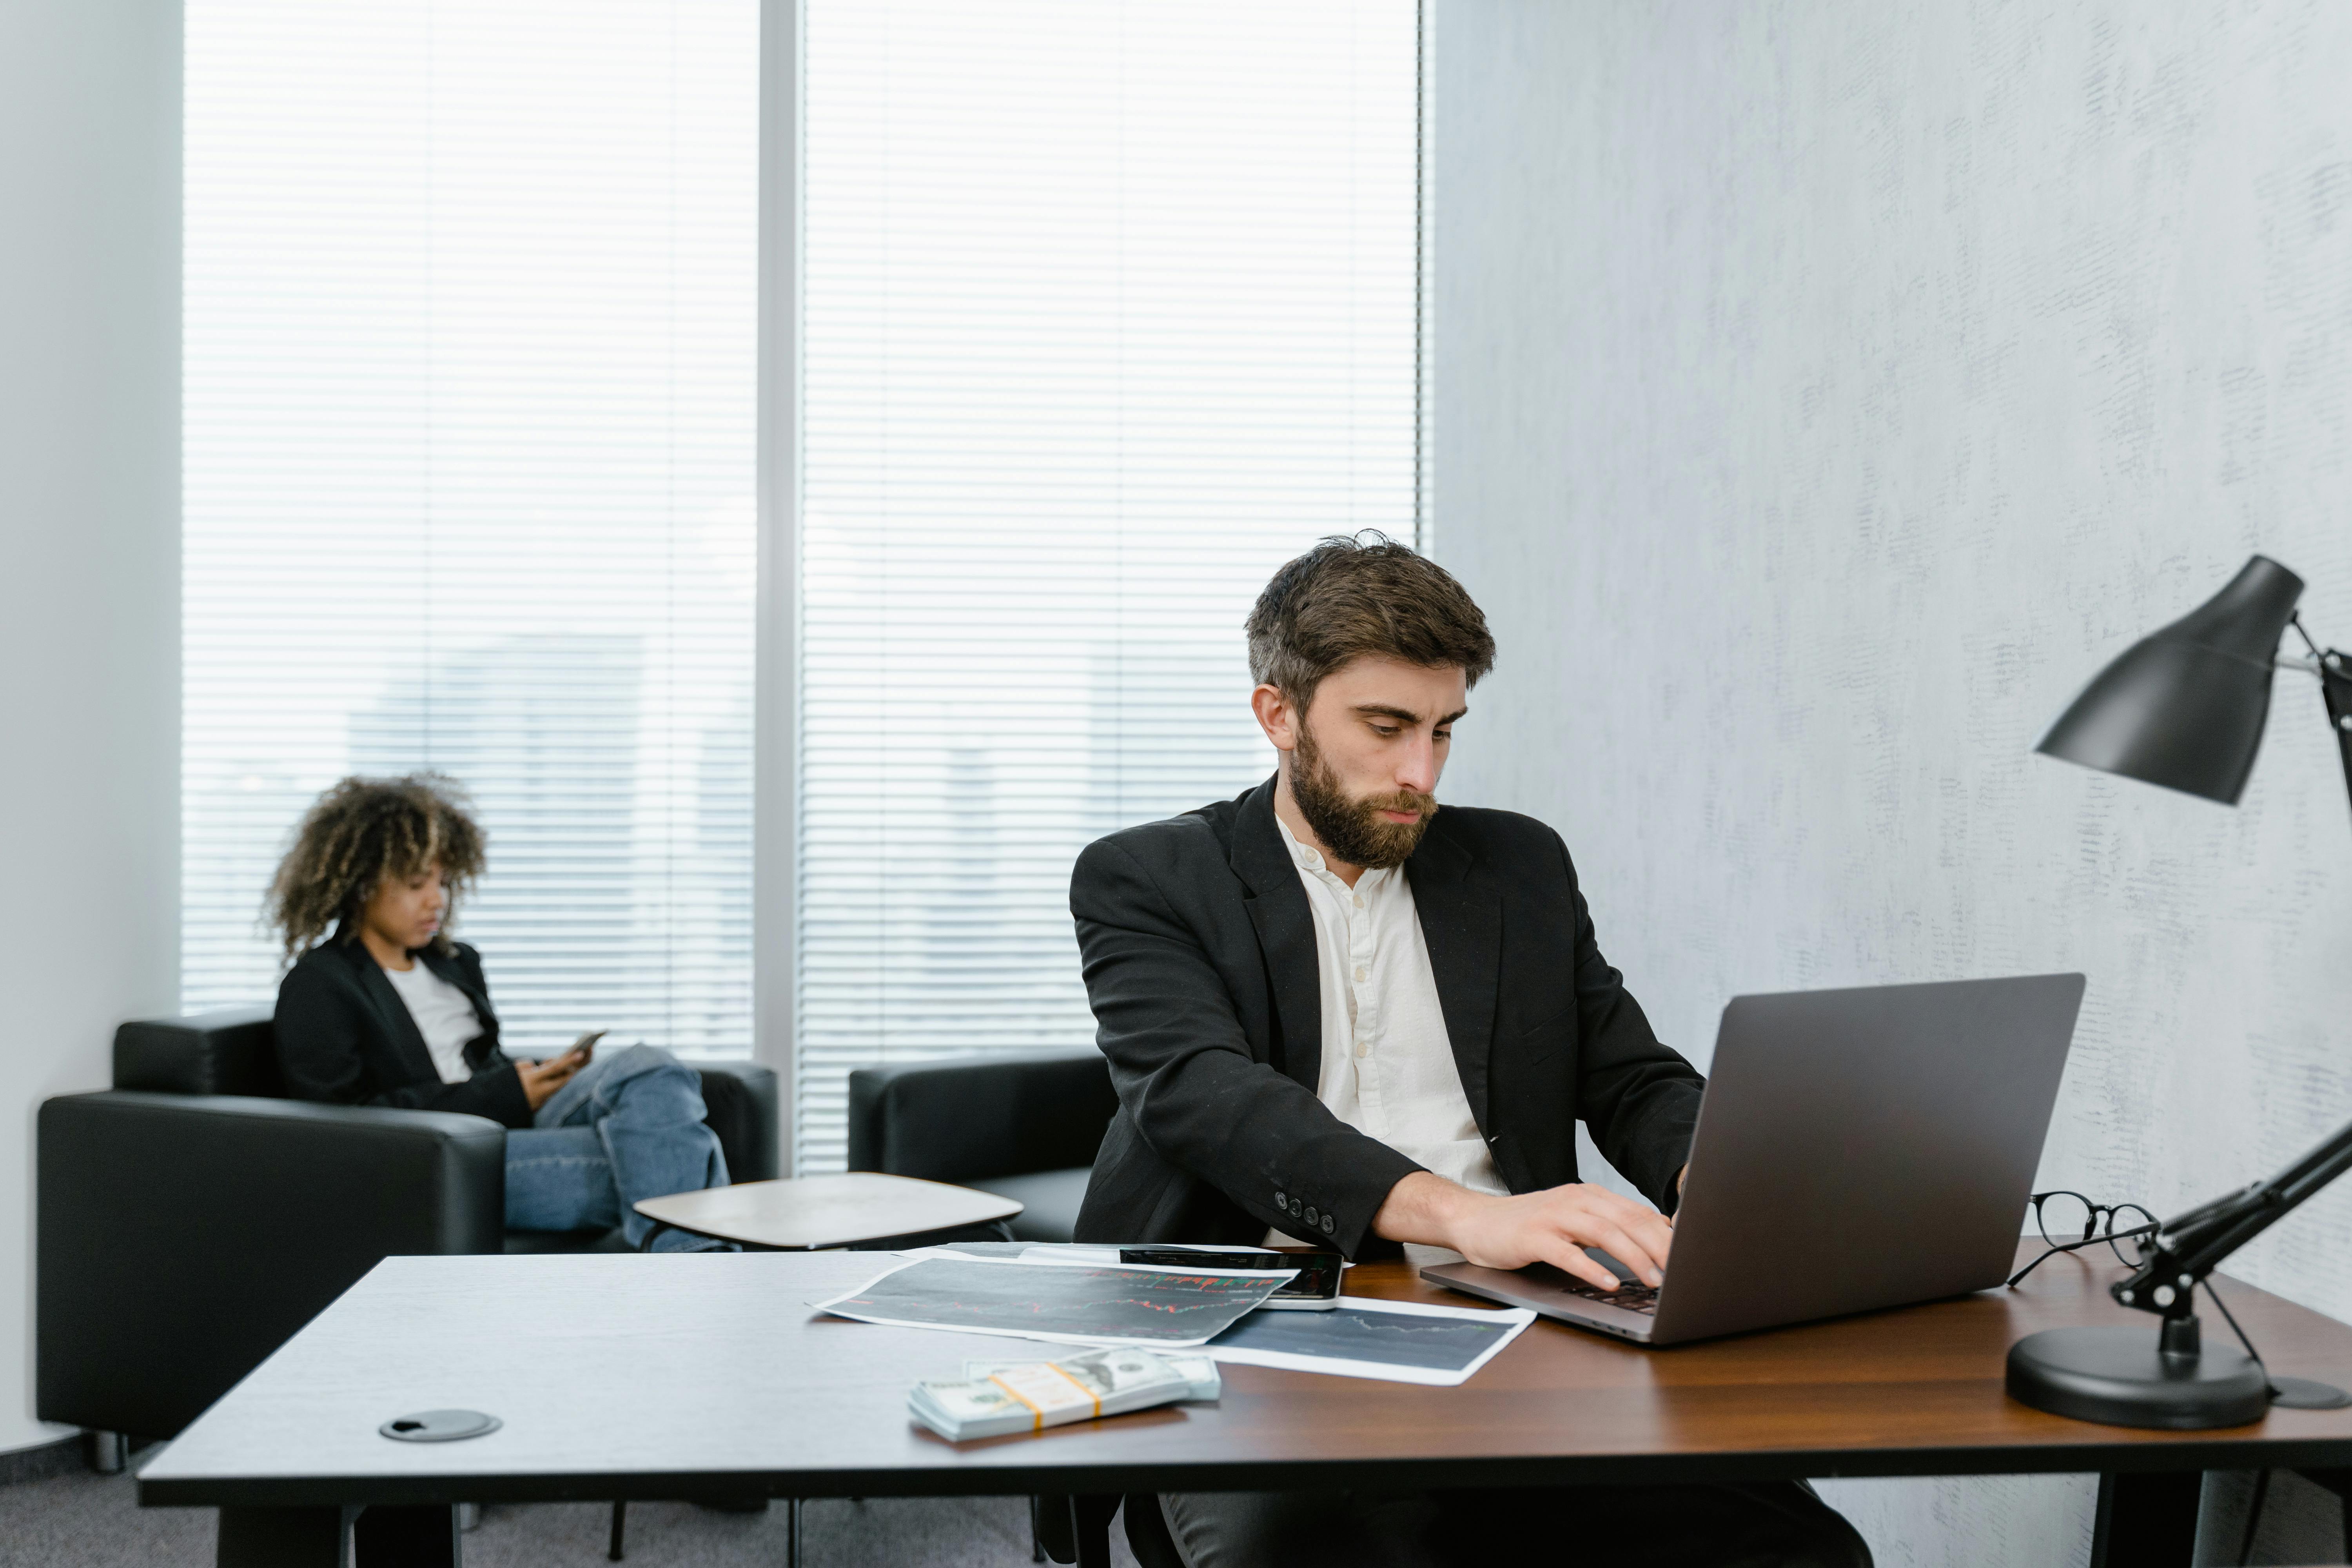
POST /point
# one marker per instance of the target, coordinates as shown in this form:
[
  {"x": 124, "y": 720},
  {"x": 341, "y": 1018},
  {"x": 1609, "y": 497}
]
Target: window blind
[
  {"x": 1110, "y": 307},
  {"x": 469, "y": 381}
]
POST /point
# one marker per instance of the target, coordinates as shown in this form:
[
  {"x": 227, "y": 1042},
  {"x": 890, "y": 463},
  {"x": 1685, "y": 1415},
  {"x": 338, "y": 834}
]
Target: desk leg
[
  {"x": 2147, "y": 1520},
  {"x": 1092, "y": 1517},
  {"x": 1074, "y": 1529},
  {"x": 2340, "y": 1483},
  {"x": 285, "y": 1538},
  {"x": 422, "y": 1536}
]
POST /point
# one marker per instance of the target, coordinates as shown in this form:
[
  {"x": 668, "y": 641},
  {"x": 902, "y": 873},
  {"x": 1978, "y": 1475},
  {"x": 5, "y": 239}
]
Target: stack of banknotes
[{"x": 997, "y": 1396}]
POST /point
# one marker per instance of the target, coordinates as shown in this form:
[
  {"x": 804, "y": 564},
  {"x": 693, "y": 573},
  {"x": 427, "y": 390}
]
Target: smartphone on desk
[{"x": 1316, "y": 1289}]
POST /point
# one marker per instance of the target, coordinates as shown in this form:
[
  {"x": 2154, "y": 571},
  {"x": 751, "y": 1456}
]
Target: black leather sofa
[
  {"x": 190, "y": 1220},
  {"x": 1025, "y": 1126}
]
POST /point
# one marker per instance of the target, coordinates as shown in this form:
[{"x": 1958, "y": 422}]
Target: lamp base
[
  {"x": 2303, "y": 1393},
  {"x": 2120, "y": 1376}
]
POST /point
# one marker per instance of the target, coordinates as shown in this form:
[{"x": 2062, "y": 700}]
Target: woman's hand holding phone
[{"x": 540, "y": 1080}]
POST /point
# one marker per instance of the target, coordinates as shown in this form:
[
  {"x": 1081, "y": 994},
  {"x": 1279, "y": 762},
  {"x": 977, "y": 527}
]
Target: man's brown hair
[
  {"x": 1361, "y": 593},
  {"x": 361, "y": 831}
]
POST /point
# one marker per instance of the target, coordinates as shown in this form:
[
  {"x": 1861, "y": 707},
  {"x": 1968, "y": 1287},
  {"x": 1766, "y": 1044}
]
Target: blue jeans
[{"x": 627, "y": 1127}]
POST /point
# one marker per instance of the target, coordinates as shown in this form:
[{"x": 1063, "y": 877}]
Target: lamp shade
[{"x": 2184, "y": 708}]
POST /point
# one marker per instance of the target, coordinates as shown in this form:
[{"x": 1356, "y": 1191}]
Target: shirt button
[
  {"x": 1363, "y": 1048},
  {"x": 1281, "y": 1200},
  {"x": 1362, "y": 974},
  {"x": 1359, "y": 901},
  {"x": 1326, "y": 1225}
]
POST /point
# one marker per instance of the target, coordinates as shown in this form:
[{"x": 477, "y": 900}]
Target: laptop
[{"x": 1855, "y": 1150}]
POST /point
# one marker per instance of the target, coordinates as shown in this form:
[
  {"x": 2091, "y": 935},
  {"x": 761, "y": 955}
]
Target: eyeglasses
[{"x": 2069, "y": 1222}]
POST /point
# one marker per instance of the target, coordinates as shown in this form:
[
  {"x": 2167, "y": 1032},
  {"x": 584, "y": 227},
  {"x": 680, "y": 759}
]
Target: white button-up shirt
[{"x": 1388, "y": 1066}]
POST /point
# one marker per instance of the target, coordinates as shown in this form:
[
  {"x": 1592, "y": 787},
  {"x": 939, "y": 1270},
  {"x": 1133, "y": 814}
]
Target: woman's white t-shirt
[{"x": 444, "y": 1015}]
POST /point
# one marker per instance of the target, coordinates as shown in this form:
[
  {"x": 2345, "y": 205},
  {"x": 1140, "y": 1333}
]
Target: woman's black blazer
[{"x": 345, "y": 1037}]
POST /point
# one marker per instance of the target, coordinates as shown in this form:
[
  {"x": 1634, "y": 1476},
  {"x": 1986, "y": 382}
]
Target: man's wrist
[{"x": 1423, "y": 1208}]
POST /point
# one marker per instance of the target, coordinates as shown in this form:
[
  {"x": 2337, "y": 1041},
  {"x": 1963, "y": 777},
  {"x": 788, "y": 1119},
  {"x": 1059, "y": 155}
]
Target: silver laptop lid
[{"x": 1865, "y": 1148}]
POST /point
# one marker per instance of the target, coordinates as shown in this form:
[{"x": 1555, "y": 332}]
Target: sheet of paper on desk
[
  {"x": 1061, "y": 1251},
  {"x": 1015, "y": 1252},
  {"x": 1076, "y": 1303},
  {"x": 1402, "y": 1341}
]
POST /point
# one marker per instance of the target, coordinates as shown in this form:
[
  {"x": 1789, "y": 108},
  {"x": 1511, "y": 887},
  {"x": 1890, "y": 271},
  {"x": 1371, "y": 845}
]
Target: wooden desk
[{"x": 702, "y": 1375}]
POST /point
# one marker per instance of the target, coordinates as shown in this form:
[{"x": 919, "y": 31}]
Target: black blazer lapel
[
  {"x": 1285, "y": 933},
  {"x": 1462, "y": 922},
  {"x": 400, "y": 1024}
]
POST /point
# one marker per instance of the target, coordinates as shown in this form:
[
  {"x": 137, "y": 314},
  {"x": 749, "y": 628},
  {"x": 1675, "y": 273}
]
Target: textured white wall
[
  {"x": 1823, "y": 392},
  {"x": 89, "y": 575}
]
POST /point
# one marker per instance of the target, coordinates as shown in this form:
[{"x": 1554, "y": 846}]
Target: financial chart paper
[
  {"x": 1063, "y": 1303},
  {"x": 1401, "y": 1342}
]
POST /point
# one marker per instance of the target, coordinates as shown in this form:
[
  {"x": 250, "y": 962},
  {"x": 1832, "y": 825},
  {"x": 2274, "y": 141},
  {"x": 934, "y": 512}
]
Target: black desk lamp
[{"x": 2185, "y": 709}]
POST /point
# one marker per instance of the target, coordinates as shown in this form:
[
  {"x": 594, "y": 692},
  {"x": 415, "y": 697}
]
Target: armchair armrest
[
  {"x": 227, "y": 1052},
  {"x": 739, "y": 1099},
  {"x": 969, "y": 1117},
  {"x": 182, "y": 1238}
]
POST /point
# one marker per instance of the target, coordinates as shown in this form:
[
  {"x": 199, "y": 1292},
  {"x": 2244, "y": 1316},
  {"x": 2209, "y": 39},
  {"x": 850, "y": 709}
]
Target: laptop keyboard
[{"x": 1632, "y": 1296}]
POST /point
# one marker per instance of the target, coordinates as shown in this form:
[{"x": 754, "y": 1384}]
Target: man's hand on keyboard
[{"x": 1553, "y": 1226}]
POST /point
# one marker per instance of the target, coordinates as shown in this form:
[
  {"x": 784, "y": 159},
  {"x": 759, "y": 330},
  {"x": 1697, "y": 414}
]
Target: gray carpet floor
[{"x": 95, "y": 1521}]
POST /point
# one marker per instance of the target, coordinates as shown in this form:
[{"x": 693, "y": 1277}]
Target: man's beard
[{"x": 1352, "y": 830}]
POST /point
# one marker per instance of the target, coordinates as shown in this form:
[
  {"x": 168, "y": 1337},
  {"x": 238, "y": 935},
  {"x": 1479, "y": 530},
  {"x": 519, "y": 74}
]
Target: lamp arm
[
  {"x": 2335, "y": 689},
  {"x": 2192, "y": 1244},
  {"x": 2333, "y": 669}
]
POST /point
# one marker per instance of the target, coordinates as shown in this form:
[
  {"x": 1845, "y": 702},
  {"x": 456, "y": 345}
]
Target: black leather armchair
[
  {"x": 190, "y": 1221},
  {"x": 1027, "y": 1126}
]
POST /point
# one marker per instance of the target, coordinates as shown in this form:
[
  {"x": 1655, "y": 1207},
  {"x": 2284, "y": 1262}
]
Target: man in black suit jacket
[{"x": 1337, "y": 1012}]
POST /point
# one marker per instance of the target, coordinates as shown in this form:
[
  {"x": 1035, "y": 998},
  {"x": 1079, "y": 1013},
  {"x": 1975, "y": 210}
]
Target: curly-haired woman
[{"x": 380, "y": 1007}]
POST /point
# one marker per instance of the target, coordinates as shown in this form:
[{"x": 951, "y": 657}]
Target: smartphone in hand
[{"x": 585, "y": 1046}]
